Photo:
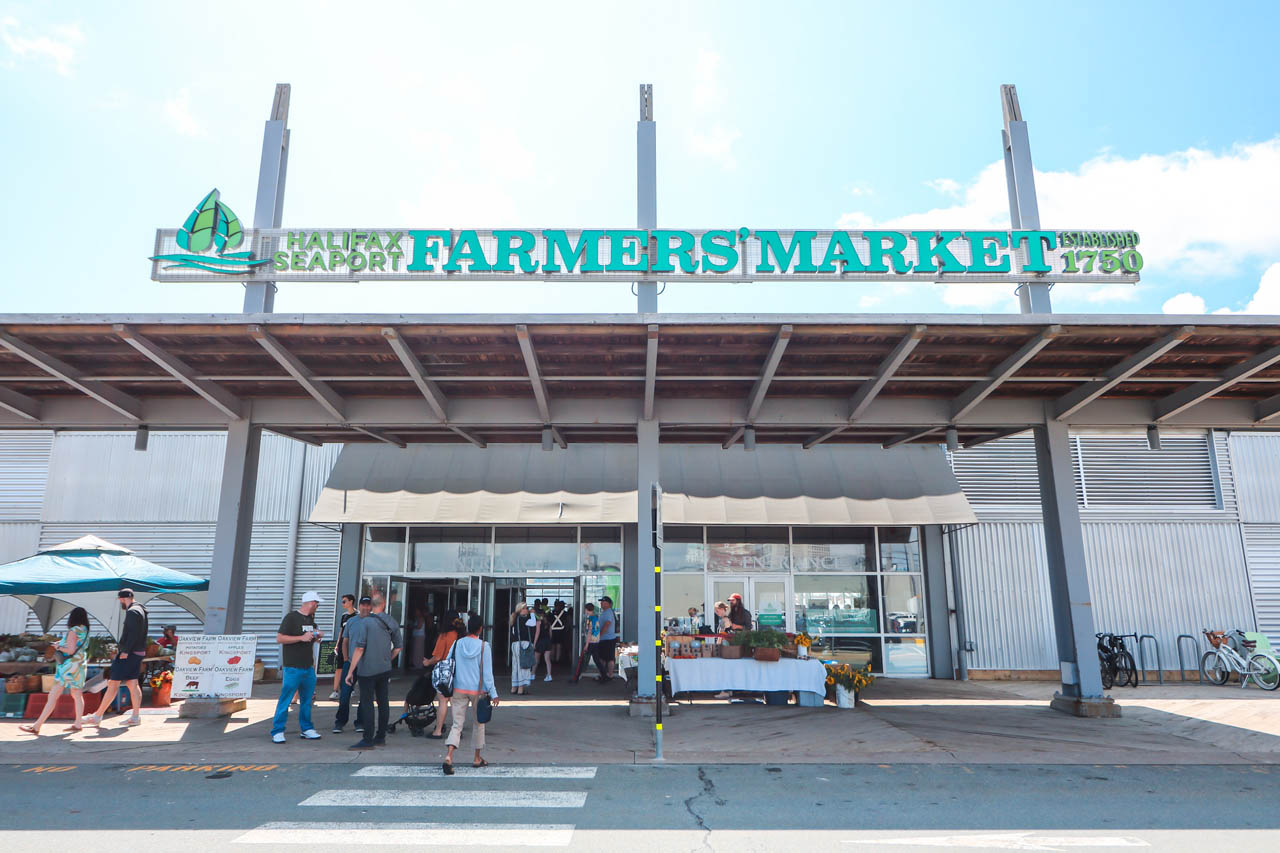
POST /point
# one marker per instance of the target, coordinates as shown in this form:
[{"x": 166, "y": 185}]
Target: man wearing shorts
[
  {"x": 127, "y": 663},
  {"x": 608, "y": 643}
]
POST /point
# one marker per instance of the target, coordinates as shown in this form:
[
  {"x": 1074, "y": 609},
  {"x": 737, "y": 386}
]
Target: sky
[{"x": 1156, "y": 117}]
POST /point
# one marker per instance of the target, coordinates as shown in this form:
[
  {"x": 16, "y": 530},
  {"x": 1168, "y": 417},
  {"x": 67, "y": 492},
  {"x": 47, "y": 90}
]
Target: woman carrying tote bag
[
  {"x": 473, "y": 687},
  {"x": 523, "y": 659}
]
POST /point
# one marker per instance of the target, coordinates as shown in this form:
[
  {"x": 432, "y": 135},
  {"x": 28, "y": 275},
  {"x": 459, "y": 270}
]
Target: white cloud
[
  {"x": 706, "y": 79},
  {"x": 860, "y": 191},
  {"x": 1266, "y": 299},
  {"x": 178, "y": 111},
  {"x": 946, "y": 186},
  {"x": 716, "y": 143},
  {"x": 1184, "y": 303},
  {"x": 59, "y": 47}
]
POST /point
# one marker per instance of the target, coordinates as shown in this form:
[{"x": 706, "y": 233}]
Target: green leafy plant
[{"x": 761, "y": 638}]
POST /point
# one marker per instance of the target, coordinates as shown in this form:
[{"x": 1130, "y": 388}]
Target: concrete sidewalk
[{"x": 898, "y": 721}]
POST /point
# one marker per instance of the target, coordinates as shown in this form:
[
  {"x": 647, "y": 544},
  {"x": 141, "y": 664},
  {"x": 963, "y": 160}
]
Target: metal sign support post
[
  {"x": 260, "y": 297},
  {"x": 646, "y": 190},
  {"x": 657, "y": 616},
  {"x": 1024, "y": 211}
]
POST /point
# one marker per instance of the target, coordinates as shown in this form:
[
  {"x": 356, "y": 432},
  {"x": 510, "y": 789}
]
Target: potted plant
[
  {"x": 736, "y": 645},
  {"x": 161, "y": 688},
  {"x": 847, "y": 681},
  {"x": 766, "y": 643}
]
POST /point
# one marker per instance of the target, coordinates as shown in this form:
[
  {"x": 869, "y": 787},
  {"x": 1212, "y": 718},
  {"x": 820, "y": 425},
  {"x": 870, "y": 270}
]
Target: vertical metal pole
[
  {"x": 296, "y": 479},
  {"x": 1024, "y": 211},
  {"x": 259, "y": 297},
  {"x": 348, "y": 568},
  {"x": 646, "y": 189},
  {"x": 646, "y": 477},
  {"x": 957, "y": 591},
  {"x": 656, "y": 523},
  {"x": 229, "y": 573}
]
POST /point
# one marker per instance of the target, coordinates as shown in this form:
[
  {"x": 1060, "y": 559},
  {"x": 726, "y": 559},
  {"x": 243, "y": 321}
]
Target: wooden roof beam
[
  {"x": 216, "y": 396},
  {"x": 20, "y": 404},
  {"x": 435, "y": 398},
  {"x": 863, "y": 397},
  {"x": 758, "y": 391},
  {"x": 1075, "y": 400},
  {"x": 535, "y": 373},
  {"x": 1180, "y": 401},
  {"x": 328, "y": 399},
  {"x": 979, "y": 391},
  {"x": 650, "y": 370},
  {"x": 113, "y": 398}
]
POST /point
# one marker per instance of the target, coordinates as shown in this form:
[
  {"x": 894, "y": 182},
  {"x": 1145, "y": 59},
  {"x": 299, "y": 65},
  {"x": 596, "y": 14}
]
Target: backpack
[{"x": 442, "y": 675}]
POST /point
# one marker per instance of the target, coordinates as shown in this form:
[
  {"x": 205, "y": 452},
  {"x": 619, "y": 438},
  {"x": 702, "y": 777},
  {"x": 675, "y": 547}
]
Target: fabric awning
[{"x": 595, "y": 483}]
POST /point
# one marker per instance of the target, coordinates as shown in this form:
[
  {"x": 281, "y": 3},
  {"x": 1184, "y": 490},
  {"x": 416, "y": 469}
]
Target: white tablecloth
[{"x": 715, "y": 674}]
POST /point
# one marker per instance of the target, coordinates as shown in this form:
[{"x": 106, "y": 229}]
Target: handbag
[
  {"x": 484, "y": 706},
  {"x": 442, "y": 675},
  {"x": 528, "y": 660},
  {"x": 62, "y": 656}
]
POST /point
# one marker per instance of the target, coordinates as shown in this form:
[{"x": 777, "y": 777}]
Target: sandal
[
  {"x": 73, "y": 729},
  {"x": 480, "y": 763},
  {"x": 132, "y": 721},
  {"x": 31, "y": 730},
  {"x": 448, "y": 768}
]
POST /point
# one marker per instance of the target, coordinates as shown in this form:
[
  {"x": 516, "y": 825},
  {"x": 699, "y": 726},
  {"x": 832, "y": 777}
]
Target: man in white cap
[{"x": 299, "y": 635}]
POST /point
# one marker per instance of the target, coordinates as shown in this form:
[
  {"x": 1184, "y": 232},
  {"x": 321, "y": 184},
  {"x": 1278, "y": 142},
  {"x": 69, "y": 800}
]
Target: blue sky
[{"x": 1156, "y": 117}]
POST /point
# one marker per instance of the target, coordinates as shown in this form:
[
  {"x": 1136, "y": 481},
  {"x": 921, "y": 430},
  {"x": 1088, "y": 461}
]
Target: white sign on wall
[{"x": 215, "y": 665}]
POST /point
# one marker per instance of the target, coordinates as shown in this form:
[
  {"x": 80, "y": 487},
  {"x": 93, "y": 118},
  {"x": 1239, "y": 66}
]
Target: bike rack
[
  {"x": 1182, "y": 667},
  {"x": 1142, "y": 657}
]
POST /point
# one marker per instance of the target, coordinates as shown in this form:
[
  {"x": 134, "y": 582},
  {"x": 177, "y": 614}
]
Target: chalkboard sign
[{"x": 324, "y": 666}]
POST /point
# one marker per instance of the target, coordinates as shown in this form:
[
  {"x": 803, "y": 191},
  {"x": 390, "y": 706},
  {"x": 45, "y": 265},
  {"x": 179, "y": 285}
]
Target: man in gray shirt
[{"x": 373, "y": 640}]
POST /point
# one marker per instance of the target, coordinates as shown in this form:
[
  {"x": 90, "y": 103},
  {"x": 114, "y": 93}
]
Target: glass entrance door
[
  {"x": 720, "y": 588},
  {"x": 769, "y": 602}
]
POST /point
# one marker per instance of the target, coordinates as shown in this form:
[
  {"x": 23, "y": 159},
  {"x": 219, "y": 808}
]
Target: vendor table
[{"x": 707, "y": 675}]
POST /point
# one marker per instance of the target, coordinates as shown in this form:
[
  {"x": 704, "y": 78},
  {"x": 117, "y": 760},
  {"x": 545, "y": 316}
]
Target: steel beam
[
  {"x": 756, "y": 398},
  {"x": 1180, "y": 401},
  {"x": 218, "y": 397},
  {"x": 229, "y": 571},
  {"x": 818, "y": 438},
  {"x": 863, "y": 397},
  {"x": 469, "y": 436},
  {"x": 647, "y": 476},
  {"x": 910, "y": 436},
  {"x": 112, "y": 398},
  {"x": 558, "y": 438},
  {"x": 379, "y": 435},
  {"x": 1071, "y": 402},
  {"x": 650, "y": 370},
  {"x": 733, "y": 437},
  {"x": 259, "y": 297},
  {"x": 435, "y": 397},
  {"x": 288, "y": 433},
  {"x": 646, "y": 190},
  {"x": 979, "y": 391},
  {"x": 21, "y": 405},
  {"x": 323, "y": 394},
  {"x": 535, "y": 373},
  {"x": 978, "y": 442},
  {"x": 1024, "y": 210}
]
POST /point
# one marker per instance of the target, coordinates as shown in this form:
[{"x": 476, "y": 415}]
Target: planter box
[
  {"x": 768, "y": 655},
  {"x": 731, "y": 652}
]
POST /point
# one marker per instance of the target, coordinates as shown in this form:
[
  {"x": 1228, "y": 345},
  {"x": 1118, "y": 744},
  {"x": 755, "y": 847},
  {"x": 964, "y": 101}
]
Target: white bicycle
[{"x": 1217, "y": 664}]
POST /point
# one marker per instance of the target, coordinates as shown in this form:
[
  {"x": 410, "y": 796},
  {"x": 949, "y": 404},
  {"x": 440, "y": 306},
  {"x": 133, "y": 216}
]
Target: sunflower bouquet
[
  {"x": 165, "y": 677},
  {"x": 844, "y": 675}
]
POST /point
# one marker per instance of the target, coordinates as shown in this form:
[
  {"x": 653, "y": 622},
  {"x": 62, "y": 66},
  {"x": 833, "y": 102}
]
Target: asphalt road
[{"x": 624, "y": 807}]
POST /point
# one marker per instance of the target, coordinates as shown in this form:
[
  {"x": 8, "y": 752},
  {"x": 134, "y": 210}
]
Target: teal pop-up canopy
[{"x": 88, "y": 572}]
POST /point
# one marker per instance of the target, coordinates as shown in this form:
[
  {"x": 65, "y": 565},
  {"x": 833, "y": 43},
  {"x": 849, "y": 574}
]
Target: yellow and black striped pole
[{"x": 657, "y": 618}]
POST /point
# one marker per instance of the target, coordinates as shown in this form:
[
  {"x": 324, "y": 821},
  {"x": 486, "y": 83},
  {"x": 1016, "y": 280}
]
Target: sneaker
[
  {"x": 548, "y": 678},
  {"x": 278, "y": 737},
  {"x": 337, "y": 730},
  {"x": 362, "y": 744},
  {"x": 333, "y": 697},
  {"x": 132, "y": 721},
  {"x": 311, "y": 734},
  {"x": 380, "y": 741},
  {"x": 724, "y": 694}
]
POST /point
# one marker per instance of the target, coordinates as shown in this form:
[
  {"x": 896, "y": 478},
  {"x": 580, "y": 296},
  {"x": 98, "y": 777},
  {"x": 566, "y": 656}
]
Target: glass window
[
  {"x": 903, "y": 605},
  {"x": 833, "y": 549},
  {"x": 747, "y": 549},
  {"x": 900, "y": 549},
  {"x": 374, "y": 586},
  {"x": 601, "y": 549},
  {"x": 595, "y": 586},
  {"x": 905, "y": 656},
  {"x": 680, "y": 594},
  {"x": 528, "y": 550},
  {"x": 834, "y": 604},
  {"x": 383, "y": 549},
  {"x": 856, "y": 651},
  {"x": 449, "y": 549},
  {"x": 683, "y": 549}
]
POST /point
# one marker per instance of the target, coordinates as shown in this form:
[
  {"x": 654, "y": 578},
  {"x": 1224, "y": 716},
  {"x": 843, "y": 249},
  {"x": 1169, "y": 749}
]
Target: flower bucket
[
  {"x": 802, "y": 652},
  {"x": 768, "y": 655},
  {"x": 844, "y": 697},
  {"x": 160, "y": 696}
]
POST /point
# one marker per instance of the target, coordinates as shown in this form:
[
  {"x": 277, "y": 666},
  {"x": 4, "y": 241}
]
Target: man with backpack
[{"x": 373, "y": 640}]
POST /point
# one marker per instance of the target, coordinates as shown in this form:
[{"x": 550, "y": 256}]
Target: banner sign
[
  {"x": 218, "y": 665},
  {"x": 199, "y": 251}
]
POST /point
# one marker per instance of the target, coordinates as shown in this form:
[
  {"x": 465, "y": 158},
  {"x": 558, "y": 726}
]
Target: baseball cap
[
  {"x": 312, "y": 596},
  {"x": 125, "y": 593},
  {"x": 364, "y": 599}
]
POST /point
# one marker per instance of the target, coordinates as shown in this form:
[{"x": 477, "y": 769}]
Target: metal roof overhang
[
  {"x": 791, "y": 379},
  {"x": 596, "y": 483}
]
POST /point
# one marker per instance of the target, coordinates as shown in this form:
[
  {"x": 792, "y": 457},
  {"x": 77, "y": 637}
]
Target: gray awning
[{"x": 595, "y": 483}]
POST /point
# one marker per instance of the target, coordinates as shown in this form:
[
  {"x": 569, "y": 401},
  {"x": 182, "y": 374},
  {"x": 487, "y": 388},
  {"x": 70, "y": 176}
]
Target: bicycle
[
  {"x": 1118, "y": 668},
  {"x": 1217, "y": 664}
]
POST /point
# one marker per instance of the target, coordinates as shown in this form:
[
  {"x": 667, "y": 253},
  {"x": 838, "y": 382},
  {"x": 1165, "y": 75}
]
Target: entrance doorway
[{"x": 766, "y": 596}]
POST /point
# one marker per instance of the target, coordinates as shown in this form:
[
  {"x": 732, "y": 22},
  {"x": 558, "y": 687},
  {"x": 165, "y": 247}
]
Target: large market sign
[{"x": 199, "y": 252}]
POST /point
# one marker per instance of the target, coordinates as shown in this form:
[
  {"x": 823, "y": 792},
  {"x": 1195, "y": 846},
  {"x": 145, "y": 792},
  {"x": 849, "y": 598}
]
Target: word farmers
[{"x": 341, "y": 251}]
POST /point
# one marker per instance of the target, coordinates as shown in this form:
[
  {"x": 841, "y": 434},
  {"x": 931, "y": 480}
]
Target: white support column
[
  {"x": 229, "y": 574},
  {"x": 1024, "y": 210},
  {"x": 646, "y": 189},
  {"x": 260, "y": 297},
  {"x": 1081, "y": 692},
  {"x": 646, "y": 476}
]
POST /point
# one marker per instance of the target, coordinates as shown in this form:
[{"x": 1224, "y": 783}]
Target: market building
[{"x": 947, "y": 494}]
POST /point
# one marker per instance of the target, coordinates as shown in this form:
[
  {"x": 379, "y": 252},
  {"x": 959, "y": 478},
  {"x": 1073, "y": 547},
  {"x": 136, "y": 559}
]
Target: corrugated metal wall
[
  {"x": 18, "y": 539},
  {"x": 1257, "y": 467},
  {"x": 1263, "y": 544},
  {"x": 24, "y": 466}
]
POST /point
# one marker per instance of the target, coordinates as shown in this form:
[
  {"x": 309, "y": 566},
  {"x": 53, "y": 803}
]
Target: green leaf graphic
[
  {"x": 196, "y": 234},
  {"x": 229, "y": 233}
]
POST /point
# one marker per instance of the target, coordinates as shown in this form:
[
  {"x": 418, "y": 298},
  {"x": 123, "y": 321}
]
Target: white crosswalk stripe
[
  {"x": 416, "y": 834},
  {"x": 400, "y": 771},
  {"x": 378, "y": 797}
]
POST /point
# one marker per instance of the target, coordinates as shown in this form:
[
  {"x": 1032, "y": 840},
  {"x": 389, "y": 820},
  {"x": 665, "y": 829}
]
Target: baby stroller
[{"x": 419, "y": 707}]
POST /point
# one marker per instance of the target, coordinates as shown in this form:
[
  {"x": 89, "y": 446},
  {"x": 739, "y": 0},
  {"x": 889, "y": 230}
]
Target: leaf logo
[{"x": 212, "y": 225}]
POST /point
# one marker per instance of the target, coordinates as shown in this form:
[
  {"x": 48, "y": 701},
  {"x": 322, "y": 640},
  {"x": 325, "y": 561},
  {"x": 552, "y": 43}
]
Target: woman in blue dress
[{"x": 69, "y": 674}]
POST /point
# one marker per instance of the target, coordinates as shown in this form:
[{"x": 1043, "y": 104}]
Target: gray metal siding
[
  {"x": 1226, "y": 473},
  {"x": 1262, "y": 542},
  {"x": 1255, "y": 460},
  {"x": 17, "y": 540},
  {"x": 1121, "y": 471},
  {"x": 24, "y": 469}
]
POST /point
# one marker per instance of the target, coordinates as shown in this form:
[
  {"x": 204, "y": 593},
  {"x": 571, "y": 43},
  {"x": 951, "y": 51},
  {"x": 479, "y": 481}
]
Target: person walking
[
  {"x": 560, "y": 622},
  {"x": 542, "y": 644},
  {"x": 522, "y": 627},
  {"x": 417, "y": 638},
  {"x": 70, "y": 672},
  {"x": 591, "y": 636},
  {"x": 608, "y": 642},
  {"x": 127, "y": 663},
  {"x": 339, "y": 653},
  {"x": 472, "y": 679},
  {"x": 343, "y": 649},
  {"x": 298, "y": 634},
  {"x": 374, "y": 642},
  {"x": 449, "y": 632}
]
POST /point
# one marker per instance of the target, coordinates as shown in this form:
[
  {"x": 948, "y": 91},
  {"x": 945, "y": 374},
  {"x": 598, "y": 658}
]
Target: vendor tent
[{"x": 88, "y": 572}]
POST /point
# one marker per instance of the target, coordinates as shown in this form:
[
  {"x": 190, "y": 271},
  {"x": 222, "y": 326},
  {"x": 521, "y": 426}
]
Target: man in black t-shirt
[
  {"x": 299, "y": 635},
  {"x": 127, "y": 664},
  {"x": 339, "y": 654}
]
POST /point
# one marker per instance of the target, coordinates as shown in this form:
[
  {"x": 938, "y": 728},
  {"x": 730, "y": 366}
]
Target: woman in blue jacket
[{"x": 472, "y": 678}]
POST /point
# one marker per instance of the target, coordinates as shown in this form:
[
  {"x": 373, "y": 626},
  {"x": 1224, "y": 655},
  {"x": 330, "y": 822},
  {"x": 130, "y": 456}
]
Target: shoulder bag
[
  {"x": 484, "y": 707},
  {"x": 62, "y": 656},
  {"x": 442, "y": 675},
  {"x": 528, "y": 660}
]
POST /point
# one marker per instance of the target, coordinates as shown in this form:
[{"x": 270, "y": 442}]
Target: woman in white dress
[{"x": 523, "y": 628}]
